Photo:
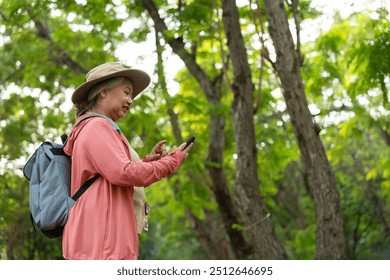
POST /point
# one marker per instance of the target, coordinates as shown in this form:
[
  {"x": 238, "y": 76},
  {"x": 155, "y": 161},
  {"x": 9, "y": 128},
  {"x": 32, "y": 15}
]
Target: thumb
[{"x": 159, "y": 144}]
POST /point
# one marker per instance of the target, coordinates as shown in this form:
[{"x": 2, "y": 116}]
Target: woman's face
[{"x": 118, "y": 100}]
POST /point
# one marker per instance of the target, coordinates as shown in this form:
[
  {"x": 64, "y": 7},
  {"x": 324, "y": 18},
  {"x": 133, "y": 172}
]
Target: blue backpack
[{"x": 49, "y": 173}]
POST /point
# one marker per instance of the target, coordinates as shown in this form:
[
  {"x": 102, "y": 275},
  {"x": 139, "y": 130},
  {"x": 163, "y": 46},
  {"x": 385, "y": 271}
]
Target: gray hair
[{"x": 93, "y": 95}]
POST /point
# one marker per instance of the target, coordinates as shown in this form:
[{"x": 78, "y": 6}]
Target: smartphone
[{"x": 189, "y": 141}]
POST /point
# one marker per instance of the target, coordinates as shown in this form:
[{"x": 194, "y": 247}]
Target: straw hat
[{"x": 140, "y": 79}]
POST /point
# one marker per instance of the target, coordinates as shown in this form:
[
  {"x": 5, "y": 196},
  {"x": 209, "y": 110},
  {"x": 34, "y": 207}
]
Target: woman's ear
[{"x": 103, "y": 93}]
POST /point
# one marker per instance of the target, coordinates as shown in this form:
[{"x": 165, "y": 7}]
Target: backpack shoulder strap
[{"x": 84, "y": 187}]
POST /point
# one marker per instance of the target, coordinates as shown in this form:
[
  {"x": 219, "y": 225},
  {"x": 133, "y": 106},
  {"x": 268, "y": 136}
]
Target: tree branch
[
  {"x": 14, "y": 73},
  {"x": 263, "y": 49},
  {"x": 61, "y": 57},
  {"x": 178, "y": 47},
  {"x": 225, "y": 64},
  {"x": 294, "y": 5}
]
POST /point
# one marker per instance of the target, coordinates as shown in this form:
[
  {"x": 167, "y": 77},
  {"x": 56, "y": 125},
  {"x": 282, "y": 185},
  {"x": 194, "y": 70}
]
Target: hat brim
[{"x": 139, "y": 78}]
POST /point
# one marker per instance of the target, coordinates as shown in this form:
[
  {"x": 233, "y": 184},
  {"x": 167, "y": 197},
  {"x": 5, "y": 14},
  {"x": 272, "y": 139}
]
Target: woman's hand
[{"x": 158, "y": 151}]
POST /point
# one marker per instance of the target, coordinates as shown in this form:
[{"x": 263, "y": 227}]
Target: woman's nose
[{"x": 129, "y": 99}]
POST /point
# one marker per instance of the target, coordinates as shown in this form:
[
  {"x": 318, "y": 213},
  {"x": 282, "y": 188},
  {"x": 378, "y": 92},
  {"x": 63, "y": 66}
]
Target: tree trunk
[
  {"x": 330, "y": 242},
  {"x": 256, "y": 218},
  {"x": 212, "y": 90},
  {"x": 211, "y": 234}
]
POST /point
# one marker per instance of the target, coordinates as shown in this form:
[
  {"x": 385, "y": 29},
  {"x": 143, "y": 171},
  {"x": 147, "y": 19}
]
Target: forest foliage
[{"x": 46, "y": 48}]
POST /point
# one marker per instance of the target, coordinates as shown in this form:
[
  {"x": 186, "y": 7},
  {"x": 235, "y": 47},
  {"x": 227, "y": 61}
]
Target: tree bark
[
  {"x": 212, "y": 236},
  {"x": 212, "y": 90},
  {"x": 331, "y": 243},
  {"x": 254, "y": 214}
]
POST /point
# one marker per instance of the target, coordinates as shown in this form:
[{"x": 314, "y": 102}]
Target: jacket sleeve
[{"x": 107, "y": 152}]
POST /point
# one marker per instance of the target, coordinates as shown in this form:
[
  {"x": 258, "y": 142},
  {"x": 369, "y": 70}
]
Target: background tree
[
  {"x": 263, "y": 244},
  {"x": 318, "y": 173}
]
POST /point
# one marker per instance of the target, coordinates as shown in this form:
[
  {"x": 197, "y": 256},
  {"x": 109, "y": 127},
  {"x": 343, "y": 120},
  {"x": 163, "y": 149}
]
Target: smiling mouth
[{"x": 127, "y": 108}]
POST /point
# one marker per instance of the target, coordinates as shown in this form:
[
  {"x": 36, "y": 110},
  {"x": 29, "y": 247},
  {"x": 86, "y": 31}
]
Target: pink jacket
[{"x": 102, "y": 223}]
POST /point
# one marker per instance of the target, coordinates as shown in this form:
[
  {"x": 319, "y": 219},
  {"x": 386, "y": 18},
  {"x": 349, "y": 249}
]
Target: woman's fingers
[{"x": 187, "y": 149}]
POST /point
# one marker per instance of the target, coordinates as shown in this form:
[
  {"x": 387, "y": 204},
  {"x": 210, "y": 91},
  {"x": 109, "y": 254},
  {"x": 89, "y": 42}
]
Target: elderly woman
[{"x": 102, "y": 224}]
